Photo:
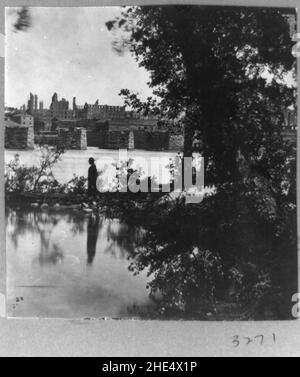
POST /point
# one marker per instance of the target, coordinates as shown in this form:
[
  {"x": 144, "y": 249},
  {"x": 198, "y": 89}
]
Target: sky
[{"x": 68, "y": 51}]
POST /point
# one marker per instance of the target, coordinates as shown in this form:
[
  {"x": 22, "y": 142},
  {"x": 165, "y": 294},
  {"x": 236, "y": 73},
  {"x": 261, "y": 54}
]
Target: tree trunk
[
  {"x": 189, "y": 132},
  {"x": 188, "y": 141}
]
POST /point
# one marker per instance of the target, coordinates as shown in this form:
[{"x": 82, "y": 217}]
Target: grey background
[{"x": 42, "y": 337}]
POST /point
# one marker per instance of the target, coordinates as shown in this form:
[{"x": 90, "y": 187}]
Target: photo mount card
[{"x": 66, "y": 257}]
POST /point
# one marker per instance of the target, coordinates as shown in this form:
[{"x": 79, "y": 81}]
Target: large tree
[
  {"x": 222, "y": 70},
  {"x": 207, "y": 63}
]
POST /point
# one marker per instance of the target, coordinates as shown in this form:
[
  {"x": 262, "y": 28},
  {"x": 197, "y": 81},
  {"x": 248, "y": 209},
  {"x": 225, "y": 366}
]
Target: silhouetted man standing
[{"x": 92, "y": 178}]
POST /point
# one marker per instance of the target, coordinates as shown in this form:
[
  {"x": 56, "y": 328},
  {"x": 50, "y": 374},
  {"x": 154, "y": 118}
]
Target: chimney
[
  {"x": 74, "y": 103},
  {"x": 35, "y": 102}
]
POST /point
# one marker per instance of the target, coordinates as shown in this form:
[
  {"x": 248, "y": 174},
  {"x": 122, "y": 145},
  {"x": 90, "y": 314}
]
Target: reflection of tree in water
[
  {"x": 18, "y": 225},
  {"x": 123, "y": 238},
  {"x": 77, "y": 222},
  {"x": 24, "y": 220},
  {"x": 184, "y": 276},
  {"x": 50, "y": 253}
]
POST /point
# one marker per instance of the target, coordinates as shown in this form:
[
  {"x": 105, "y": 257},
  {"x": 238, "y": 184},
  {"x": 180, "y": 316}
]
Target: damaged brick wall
[
  {"x": 153, "y": 141},
  {"x": 118, "y": 140},
  {"x": 72, "y": 139},
  {"x": 19, "y": 137}
]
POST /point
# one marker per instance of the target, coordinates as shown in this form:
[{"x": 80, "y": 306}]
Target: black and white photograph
[{"x": 151, "y": 162}]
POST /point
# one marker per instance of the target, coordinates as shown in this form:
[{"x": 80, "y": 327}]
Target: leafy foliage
[
  {"x": 20, "y": 178},
  {"x": 222, "y": 72},
  {"x": 77, "y": 186},
  {"x": 39, "y": 178}
]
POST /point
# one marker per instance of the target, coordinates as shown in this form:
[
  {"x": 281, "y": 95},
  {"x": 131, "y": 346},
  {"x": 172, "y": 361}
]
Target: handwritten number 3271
[{"x": 258, "y": 339}]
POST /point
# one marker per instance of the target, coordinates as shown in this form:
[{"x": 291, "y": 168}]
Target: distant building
[
  {"x": 97, "y": 111},
  {"x": 19, "y": 132},
  {"x": 35, "y": 102},
  {"x": 10, "y": 110},
  {"x": 44, "y": 118},
  {"x": 60, "y": 109},
  {"x": 102, "y": 126},
  {"x": 22, "y": 119},
  {"x": 120, "y": 133},
  {"x": 30, "y": 104}
]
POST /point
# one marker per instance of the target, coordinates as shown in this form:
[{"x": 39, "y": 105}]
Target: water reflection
[
  {"x": 92, "y": 237},
  {"x": 121, "y": 238},
  {"x": 56, "y": 250},
  {"x": 50, "y": 252}
]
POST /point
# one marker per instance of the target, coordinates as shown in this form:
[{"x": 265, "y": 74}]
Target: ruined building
[
  {"x": 19, "y": 132},
  {"x": 97, "y": 111},
  {"x": 60, "y": 109},
  {"x": 30, "y": 104},
  {"x": 103, "y": 126}
]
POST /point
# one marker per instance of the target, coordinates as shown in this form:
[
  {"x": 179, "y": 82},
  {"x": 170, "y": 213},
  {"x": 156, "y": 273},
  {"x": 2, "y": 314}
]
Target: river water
[
  {"x": 69, "y": 264},
  {"x": 76, "y": 162}
]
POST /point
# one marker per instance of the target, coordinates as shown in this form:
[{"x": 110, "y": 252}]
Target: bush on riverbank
[
  {"x": 39, "y": 179},
  {"x": 201, "y": 259},
  {"x": 20, "y": 178}
]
